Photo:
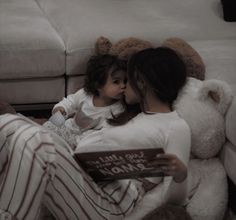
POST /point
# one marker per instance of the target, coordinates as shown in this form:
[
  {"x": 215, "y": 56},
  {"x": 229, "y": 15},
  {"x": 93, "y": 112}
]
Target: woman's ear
[
  {"x": 218, "y": 93},
  {"x": 141, "y": 84}
]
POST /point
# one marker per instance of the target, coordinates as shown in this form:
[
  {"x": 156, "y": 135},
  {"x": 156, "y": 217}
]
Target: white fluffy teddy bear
[{"x": 203, "y": 105}]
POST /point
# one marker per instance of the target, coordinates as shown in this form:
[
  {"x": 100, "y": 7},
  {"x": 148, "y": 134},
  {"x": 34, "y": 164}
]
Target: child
[{"x": 92, "y": 105}]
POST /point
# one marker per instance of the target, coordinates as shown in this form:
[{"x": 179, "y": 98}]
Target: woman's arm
[
  {"x": 178, "y": 149},
  {"x": 174, "y": 163}
]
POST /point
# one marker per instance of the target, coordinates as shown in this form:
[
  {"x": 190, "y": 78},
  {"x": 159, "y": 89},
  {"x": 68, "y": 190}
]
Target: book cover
[{"x": 119, "y": 164}]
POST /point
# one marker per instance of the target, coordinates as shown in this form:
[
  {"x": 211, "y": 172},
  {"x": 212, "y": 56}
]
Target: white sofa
[{"x": 44, "y": 45}]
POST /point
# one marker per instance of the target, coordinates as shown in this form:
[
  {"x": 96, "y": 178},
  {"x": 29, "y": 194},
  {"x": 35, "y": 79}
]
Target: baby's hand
[{"x": 61, "y": 109}]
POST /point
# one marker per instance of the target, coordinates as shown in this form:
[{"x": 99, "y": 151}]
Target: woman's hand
[{"x": 171, "y": 165}]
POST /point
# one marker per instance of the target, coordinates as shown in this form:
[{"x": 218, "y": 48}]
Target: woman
[{"x": 35, "y": 170}]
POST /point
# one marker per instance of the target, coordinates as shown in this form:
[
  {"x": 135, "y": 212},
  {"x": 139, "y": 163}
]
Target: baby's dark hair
[
  {"x": 161, "y": 69},
  {"x": 98, "y": 68}
]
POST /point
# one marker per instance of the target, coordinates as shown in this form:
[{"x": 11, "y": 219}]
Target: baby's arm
[{"x": 70, "y": 104}]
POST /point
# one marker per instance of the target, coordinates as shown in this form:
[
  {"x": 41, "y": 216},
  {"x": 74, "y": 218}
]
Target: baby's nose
[{"x": 123, "y": 85}]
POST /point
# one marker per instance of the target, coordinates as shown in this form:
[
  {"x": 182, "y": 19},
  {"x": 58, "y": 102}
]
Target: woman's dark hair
[
  {"x": 98, "y": 68},
  {"x": 161, "y": 70}
]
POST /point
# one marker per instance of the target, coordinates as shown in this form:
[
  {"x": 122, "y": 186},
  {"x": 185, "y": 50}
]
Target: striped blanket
[{"x": 37, "y": 167}]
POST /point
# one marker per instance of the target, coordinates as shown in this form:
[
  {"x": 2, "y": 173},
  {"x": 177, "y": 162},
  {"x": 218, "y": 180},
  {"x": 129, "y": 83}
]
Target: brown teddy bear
[
  {"x": 193, "y": 61},
  {"x": 124, "y": 48}
]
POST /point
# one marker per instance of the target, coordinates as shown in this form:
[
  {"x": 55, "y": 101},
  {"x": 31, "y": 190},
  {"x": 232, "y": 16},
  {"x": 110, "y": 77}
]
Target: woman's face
[{"x": 130, "y": 95}]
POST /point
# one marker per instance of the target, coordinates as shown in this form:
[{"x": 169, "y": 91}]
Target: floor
[{"x": 232, "y": 201}]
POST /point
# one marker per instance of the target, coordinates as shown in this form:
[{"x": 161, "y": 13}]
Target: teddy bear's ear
[
  {"x": 218, "y": 93},
  {"x": 126, "y": 47},
  {"x": 194, "y": 63},
  {"x": 102, "y": 45}
]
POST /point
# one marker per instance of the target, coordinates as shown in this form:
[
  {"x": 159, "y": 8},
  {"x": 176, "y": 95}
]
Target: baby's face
[
  {"x": 130, "y": 95},
  {"x": 114, "y": 86}
]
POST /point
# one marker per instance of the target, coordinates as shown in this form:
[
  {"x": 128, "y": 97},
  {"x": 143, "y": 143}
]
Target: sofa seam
[
  {"x": 51, "y": 24},
  {"x": 55, "y": 29},
  {"x": 61, "y": 39},
  {"x": 34, "y": 49}
]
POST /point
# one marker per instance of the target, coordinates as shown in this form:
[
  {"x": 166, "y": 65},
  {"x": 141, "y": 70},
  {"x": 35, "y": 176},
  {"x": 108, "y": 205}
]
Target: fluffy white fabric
[
  {"x": 208, "y": 183},
  {"x": 203, "y": 105},
  {"x": 222, "y": 91}
]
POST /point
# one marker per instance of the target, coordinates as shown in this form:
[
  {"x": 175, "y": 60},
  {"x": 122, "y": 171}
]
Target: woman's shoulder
[
  {"x": 162, "y": 121},
  {"x": 179, "y": 128},
  {"x": 175, "y": 121}
]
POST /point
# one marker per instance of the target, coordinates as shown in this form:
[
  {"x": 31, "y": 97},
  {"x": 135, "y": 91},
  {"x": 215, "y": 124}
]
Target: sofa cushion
[
  {"x": 29, "y": 46},
  {"x": 74, "y": 83},
  {"x": 80, "y": 22},
  {"x": 30, "y": 91}
]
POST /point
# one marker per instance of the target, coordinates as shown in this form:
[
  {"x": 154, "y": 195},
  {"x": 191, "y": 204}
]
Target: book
[{"x": 119, "y": 164}]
